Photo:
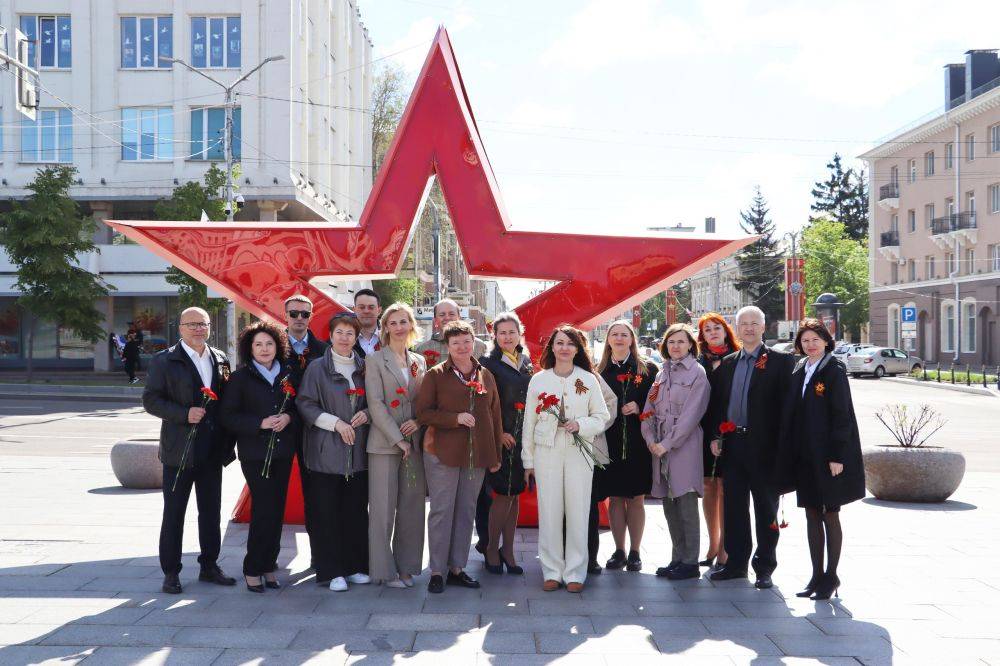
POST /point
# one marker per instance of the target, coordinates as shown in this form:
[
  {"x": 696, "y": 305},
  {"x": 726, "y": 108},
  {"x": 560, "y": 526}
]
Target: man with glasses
[
  {"x": 305, "y": 347},
  {"x": 368, "y": 309},
  {"x": 749, "y": 389},
  {"x": 174, "y": 393}
]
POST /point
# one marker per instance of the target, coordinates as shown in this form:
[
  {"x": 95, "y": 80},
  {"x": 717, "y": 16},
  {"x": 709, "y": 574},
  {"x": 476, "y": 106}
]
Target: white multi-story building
[
  {"x": 135, "y": 125},
  {"x": 713, "y": 289}
]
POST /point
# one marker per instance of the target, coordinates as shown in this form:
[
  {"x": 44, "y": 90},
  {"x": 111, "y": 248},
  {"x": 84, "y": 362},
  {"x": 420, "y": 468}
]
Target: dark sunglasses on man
[{"x": 295, "y": 314}]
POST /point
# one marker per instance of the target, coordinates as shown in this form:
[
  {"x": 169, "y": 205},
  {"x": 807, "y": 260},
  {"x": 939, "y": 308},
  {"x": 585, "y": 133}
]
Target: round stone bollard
[{"x": 136, "y": 464}]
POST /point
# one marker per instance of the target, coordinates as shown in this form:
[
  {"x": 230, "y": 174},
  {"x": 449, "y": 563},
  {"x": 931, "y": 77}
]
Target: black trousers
[
  {"x": 593, "y": 532},
  {"x": 267, "y": 513},
  {"x": 130, "y": 368},
  {"x": 339, "y": 510},
  {"x": 740, "y": 482},
  {"x": 305, "y": 477},
  {"x": 207, "y": 482},
  {"x": 483, "y": 505}
]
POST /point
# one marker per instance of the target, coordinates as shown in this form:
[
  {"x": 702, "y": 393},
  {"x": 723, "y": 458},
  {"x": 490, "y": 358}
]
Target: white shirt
[
  {"x": 371, "y": 345},
  {"x": 203, "y": 363},
  {"x": 810, "y": 369}
]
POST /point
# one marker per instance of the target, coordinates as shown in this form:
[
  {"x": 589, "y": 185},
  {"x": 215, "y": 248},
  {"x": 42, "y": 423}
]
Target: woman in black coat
[
  {"x": 130, "y": 356},
  {"x": 259, "y": 403},
  {"x": 820, "y": 455},
  {"x": 512, "y": 370}
]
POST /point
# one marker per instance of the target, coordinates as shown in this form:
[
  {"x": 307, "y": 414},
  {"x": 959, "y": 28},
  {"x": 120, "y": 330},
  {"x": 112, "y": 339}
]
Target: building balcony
[
  {"x": 888, "y": 196},
  {"x": 888, "y": 244},
  {"x": 956, "y": 226}
]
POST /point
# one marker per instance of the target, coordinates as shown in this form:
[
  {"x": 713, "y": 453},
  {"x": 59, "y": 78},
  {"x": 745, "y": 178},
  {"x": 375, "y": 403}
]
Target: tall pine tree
[
  {"x": 761, "y": 271},
  {"x": 843, "y": 197}
]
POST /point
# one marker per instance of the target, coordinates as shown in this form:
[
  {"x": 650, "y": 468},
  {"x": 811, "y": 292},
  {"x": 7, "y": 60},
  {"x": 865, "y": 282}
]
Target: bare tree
[
  {"x": 910, "y": 430},
  {"x": 388, "y": 101}
]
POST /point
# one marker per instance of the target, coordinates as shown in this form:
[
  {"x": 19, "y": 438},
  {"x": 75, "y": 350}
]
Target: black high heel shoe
[
  {"x": 511, "y": 568},
  {"x": 259, "y": 588},
  {"x": 810, "y": 586},
  {"x": 826, "y": 588},
  {"x": 272, "y": 584},
  {"x": 495, "y": 569}
]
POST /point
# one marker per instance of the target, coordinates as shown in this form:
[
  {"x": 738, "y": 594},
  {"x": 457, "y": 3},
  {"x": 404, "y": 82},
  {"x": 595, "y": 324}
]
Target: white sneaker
[
  {"x": 338, "y": 584},
  {"x": 359, "y": 579},
  {"x": 396, "y": 583},
  {"x": 408, "y": 582}
]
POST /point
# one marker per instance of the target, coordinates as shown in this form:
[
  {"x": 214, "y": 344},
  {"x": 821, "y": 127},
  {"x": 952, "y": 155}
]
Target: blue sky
[{"x": 618, "y": 115}]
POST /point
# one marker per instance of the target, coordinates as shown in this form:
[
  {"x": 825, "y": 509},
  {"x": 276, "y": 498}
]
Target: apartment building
[
  {"x": 934, "y": 241},
  {"x": 135, "y": 125}
]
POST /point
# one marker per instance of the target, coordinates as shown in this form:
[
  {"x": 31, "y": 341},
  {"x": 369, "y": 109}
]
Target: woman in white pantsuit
[{"x": 558, "y": 450}]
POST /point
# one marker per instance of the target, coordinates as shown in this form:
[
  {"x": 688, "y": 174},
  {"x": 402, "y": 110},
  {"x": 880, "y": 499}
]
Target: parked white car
[
  {"x": 882, "y": 361},
  {"x": 845, "y": 349}
]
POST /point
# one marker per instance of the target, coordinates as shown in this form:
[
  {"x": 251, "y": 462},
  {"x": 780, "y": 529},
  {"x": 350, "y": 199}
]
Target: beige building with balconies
[{"x": 934, "y": 231}]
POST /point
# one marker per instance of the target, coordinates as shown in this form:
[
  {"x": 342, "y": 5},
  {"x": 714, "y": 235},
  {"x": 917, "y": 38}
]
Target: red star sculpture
[{"x": 260, "y": 264}]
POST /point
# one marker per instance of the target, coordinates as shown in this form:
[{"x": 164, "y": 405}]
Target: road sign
[
  {"x": 908, "y": 314},
  {"x": 909, "y": 335},
  {"x": 909, "y": 326}
]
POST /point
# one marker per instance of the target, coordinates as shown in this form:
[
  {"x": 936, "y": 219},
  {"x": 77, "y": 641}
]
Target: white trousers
[{"x": 564, "y": 480}]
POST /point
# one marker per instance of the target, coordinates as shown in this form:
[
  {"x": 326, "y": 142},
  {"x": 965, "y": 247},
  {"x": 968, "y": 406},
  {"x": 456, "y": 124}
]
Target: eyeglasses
[
  {"x": 295, "y": 314},
  {"x": 197, "y": 325}
]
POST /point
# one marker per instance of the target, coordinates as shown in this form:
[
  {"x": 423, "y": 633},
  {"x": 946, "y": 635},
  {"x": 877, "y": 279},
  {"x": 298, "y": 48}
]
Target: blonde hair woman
[
  {"x": 626, "y": 479},
  {"x": 396, "y": 486}
]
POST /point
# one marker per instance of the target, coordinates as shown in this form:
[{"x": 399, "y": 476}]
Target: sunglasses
[{"x": 295, "y": 314}]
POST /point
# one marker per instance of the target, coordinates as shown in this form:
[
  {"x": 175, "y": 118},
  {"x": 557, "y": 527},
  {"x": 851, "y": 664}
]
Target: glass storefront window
[{"x": 10, "y": 329}]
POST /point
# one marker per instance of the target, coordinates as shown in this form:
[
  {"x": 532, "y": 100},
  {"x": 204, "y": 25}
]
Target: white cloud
[{"x": 411, "y": 49}]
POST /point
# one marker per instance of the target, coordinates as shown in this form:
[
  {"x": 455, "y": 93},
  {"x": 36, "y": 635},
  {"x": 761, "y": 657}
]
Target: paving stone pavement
[{"x": 79, "y": 582}]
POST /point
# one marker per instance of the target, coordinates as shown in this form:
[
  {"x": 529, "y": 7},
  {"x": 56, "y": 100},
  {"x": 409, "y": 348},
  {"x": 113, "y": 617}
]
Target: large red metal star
[{"x": 260, "y": 264}]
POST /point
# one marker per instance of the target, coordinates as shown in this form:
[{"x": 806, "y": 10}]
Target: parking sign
[{"x": 908, "y": 314}]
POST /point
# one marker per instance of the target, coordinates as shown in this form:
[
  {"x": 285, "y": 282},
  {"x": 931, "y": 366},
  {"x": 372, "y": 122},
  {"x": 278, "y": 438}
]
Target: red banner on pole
[
  {"x": 670, "y": 316},
  {"x": 795, "y": 289},
  {"x": 636, "y": 316}
]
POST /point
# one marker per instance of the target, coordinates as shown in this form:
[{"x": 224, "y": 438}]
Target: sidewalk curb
[
  {"x": 71, "y": 392},
  {"x": 959, "y": 388}
]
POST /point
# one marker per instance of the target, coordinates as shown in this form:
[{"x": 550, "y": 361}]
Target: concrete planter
[
  {"x": 136, "y": 464},
  {"x": 919, "y": 474}
]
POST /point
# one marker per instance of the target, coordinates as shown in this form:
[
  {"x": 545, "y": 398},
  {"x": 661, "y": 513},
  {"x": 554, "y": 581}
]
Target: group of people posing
[{"x": 380, "y": 422}]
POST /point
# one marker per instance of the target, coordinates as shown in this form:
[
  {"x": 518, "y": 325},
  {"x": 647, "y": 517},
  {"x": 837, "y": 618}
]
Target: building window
[
  {"x": 969, "y": 321},
  {"x": 147, "y": 41},
  {"x": 949, "y": 155},
  {"x": 893, "y": 273},
  {"x": 929, "y": 270},
  {"x": 928, "y": 215},
  {"x": 912, "y": 171},
  {"x": 892, "y": 315},
  {"x": 911, "y": 270},
  {"x": 949, "y": 262},
  {"x": 970, "y": 203},
  {"x": 48, "y": 138},
  {"x": 949, "y": 206},
  {"x": 894, "y": 176},
  {"x": 911, "y": 220},
  {"x": 50, "y": 41},
  {"x": 970, "y": 147},
  {"x": 216, "y": 41},
  {"x": 995, "y": 138},
  {"x": 929, "y": 163},
  {"x": 208, "y": 128},
  {"x": 970, "y": 262},
  {"x": 995, "y": 257},
  {"x": 995, "y": 198},
  {"x": 894, "y": 225},
  {"x": 948, "y": 323},
  {"x": 147, "y": 134}
]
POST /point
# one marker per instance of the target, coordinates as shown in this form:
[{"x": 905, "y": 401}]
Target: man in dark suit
[
  {"x": 304, "y": 348},
  {"x": 174, "y": 393},
  {"x": 368, "y": 308},
  {"x": 749, "y": 390}
]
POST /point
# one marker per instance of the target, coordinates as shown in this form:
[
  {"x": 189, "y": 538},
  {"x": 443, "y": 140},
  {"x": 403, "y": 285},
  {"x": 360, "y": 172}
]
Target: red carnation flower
[
  {"x": 727, "y": 427},
  {"x": 394, "y": 403},
  {"x": 401, "y": 391},
  {"x": 519, "y": 406},
  {"x": 209, "y": 393}
]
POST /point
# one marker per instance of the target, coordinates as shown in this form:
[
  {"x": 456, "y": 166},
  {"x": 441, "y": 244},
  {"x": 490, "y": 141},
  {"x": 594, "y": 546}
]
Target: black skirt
[{"x": 509, "y": 479}]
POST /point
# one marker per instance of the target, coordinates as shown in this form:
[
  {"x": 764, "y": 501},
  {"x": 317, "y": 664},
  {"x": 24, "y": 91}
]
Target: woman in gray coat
[
  {"x": 396, "y": 486},
  {"x": 671, "y": 426},
  {"x": 332, "y": 403}
]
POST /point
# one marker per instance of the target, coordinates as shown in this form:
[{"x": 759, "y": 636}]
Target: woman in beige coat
[{"x": 396, "y": 486}]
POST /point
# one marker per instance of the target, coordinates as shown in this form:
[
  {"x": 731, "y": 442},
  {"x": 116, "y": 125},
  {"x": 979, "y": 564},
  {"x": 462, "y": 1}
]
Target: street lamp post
[{"x": 227, "y": 142}]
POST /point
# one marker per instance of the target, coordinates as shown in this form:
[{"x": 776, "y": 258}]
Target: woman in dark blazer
[
  {"x": 259, "y": 403},
  {"x": 820, "y": 455},
  {"x": 511, "y": 368}
]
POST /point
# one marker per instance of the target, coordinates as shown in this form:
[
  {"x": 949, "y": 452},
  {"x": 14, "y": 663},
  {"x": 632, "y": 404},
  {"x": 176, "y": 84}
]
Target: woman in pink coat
[{"x": 671, "y": 426}]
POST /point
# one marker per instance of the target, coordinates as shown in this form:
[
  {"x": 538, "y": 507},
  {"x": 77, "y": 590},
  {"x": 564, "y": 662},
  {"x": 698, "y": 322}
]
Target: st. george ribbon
[{"x": 259, "y": 264}]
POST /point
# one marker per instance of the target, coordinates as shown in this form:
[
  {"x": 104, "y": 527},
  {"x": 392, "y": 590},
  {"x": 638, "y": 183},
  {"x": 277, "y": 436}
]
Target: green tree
[
  {"x": 761, "y": 270},
  {"x": 404, "y": 290},
  {"x": 844, "y": 197},
  {"x": 388, "y": 101},
  {"x": 837, "y": 264},
  {"x": 43, "y": 237},
  {"x": 187, "y": 203}
]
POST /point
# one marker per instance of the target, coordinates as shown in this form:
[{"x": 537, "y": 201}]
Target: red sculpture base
[{"x": 295, "y": 510}]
